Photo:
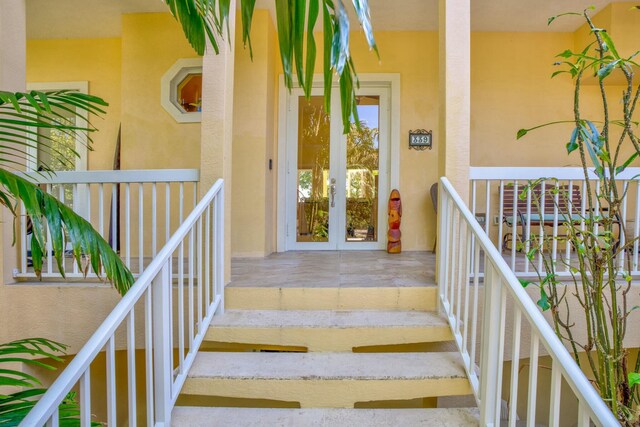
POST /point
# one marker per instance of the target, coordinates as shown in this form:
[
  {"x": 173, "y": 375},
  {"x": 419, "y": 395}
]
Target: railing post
[
  {"x": 443, "y": 243},
  {"x": 492, "y": 345},
  {"x": 162, "y": 370},
  {"x": 220, "y": 264}
]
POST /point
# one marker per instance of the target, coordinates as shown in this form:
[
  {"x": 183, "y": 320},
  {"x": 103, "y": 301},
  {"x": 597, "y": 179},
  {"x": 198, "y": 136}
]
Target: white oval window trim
[{"x": 169, "y": 89}]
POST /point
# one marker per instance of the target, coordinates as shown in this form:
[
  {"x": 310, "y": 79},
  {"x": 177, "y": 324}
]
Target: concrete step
[
  {"x": 327, "y": 380},
  {"x": 421, "y": 298},
  {"x": 243, "y": 417},
  {"x": 328, "y": 330}
]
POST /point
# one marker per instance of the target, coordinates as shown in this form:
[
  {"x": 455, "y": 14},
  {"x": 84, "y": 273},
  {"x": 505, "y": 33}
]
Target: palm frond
[
  {"x": 64, "y": 226},
  {"x": 202, "y": 21},
  {"x": 22, "y": 116},
  {"x": 15, "y": 406},
  {"x": 25, "y": 351}
]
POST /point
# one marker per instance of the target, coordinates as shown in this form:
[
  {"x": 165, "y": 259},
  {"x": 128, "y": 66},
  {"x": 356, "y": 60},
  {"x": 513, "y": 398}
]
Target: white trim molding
[{"x": 169, "y": 85}]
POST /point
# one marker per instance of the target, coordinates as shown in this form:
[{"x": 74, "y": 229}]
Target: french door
[{"x": 337, "y": 185}]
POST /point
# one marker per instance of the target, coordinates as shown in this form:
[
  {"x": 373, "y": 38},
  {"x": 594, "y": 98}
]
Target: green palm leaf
[
  {"x": 15, "y": 406},
  {"x": 25, "y": 351},
  {"x": 64, "y": 225},
  {"x": 22, "y": 116},
  {"x": 202, "y": 21}
]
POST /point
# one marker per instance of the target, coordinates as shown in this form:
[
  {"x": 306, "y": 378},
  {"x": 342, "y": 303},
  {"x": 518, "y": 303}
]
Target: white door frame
[{"x": 390, "y": 81}]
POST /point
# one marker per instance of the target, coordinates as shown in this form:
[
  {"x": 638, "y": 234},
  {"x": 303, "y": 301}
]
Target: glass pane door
[
  {"x": 336, "y": 184},
  {"x": 362, "y": 174},
  {"x": 314, "y": 185}
]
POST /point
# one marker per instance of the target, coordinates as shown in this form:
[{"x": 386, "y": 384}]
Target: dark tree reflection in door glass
[
  {"x": 363, "y": 164},
  {"x": 314, "y": 132}
]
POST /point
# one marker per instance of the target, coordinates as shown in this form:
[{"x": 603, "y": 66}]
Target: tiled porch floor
[{"x": 335, "y": 268}]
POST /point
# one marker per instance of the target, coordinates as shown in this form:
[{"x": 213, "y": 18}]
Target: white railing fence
[
  {"x": 136, "y": 211},
  {"x": 481, "y": 310},
  {"x": 197, "y": 292},
  {"x": 507, "y": 219}
]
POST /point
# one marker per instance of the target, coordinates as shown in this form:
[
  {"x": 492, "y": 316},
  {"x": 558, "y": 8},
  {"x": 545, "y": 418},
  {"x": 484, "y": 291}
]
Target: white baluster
[
  {"x": 140, "y": 228},
  {"x": 148, "y": 354},
  {"x": 492, "y": 347},
  {"x": 554, "y": 243},
  {"x": 515, "y": 367},
  {"x": 220, "y": 282},
  {"x": 162, "y": 369},
  {"x": 111, "y": 382},
  {"x": 514, "y": 222},
  {"x": 533, "y": 380},
  {"x": 167, "y": 212},
  {"x": 127, "y": 225},
  {"x": 85, "y": 398},
  {"x": 131, "y": 368},
  {"x": 207, "y": 260},
  {"x": 154, "y": 220},
  {"x": 555, "y": 396}
]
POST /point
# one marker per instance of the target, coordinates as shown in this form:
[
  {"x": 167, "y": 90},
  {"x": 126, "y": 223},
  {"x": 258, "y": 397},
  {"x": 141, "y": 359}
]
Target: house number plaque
[{"x": 420, "y": 139}]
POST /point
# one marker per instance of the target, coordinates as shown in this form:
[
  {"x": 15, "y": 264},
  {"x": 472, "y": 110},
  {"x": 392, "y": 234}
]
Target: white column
[
  {"x": 217, "y": 124},
  {"x": 455, "y": 93},
  {"x": 13, "y": 47}
]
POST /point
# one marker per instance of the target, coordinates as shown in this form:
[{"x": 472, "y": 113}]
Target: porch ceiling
[{"x": 100, "y": 18}]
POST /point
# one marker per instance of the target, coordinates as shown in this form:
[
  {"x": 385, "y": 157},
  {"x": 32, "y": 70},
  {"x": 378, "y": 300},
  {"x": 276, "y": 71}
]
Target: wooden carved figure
[{"x": 394, "y": 246}]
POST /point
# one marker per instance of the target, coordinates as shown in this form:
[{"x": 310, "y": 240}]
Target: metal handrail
[
  {"x": 46, "y": 408},
  {"x": 590, "y": 401}
]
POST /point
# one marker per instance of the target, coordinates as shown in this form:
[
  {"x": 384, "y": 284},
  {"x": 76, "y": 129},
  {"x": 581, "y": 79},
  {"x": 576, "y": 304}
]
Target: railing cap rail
[
  {"x": 506, "y": 173},
  {"x": 114, "y": 176}
]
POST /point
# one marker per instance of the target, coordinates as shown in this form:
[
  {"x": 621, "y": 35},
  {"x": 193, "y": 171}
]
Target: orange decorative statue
[{"x": 394, "y": 246}]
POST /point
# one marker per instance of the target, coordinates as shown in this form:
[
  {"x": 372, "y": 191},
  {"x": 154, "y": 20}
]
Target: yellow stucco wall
[
  {"x": 126, "y": 72},
  {"x": 511, "y": 89},
  {"x": 253, "y": 141},
  {"x": 625, "y": 27},
  {"x": 418, "y": 109},
  {"x": 151, "y": 138}
]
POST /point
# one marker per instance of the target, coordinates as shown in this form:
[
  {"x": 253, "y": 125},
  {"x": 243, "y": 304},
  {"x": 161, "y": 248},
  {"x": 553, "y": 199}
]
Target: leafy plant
[
  {"x": 22, "y": 116},
  {"x": 14, "y": 406},
  {"x": 601, "y": 279},
  {"x": 208, "y": 21}
]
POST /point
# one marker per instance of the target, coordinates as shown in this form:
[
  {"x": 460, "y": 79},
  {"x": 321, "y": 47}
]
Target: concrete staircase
[{"x": 318, "y": 356}]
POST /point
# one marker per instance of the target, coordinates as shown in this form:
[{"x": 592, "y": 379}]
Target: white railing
[
  {"x": 200, "y": 292},
  {"x": 136, "y": 211},
  {"x": 478, "y": 319},
  {"x": 508, "y": 219}
]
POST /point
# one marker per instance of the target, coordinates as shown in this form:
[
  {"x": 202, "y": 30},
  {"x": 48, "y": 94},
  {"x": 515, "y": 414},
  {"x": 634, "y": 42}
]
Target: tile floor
[{"x": 335, "y": 268}]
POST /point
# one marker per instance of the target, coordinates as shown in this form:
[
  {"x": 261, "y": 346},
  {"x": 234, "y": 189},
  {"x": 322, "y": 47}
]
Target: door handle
[{"x": 332, "y": 190}]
